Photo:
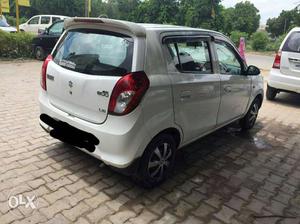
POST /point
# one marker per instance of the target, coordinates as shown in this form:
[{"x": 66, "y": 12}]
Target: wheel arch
[{"x": 174, "y": 132}]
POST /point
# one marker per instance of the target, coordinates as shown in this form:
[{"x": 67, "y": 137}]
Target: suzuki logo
[{"x": 70, "y": 84}]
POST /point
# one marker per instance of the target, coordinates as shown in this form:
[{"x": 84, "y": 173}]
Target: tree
[
  {"x": 157, "y": 11},
  {"x": 283, "y": 23},
  {"x": 260, "y": 41},
  {"x": 200, "y": 13},
  {"x": 244, "y": 17}
]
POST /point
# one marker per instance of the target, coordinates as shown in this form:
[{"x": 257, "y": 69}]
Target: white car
[
  {"x": 285, "y": 73},
  {"x": 40, "y": 22},
  {"x": 132, "y": 94},
  {"x": 5, "y": 26}
]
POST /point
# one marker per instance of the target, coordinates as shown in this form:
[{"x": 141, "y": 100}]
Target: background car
[
  {"x": 45, "y": 42},
  {"x": 40, "y": 22},
  {"x": 5, "y": 26},
  {"x": 285, "y": 73}
]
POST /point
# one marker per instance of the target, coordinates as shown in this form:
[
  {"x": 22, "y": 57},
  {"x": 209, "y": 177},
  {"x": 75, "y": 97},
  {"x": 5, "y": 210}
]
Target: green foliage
[
  {"x": 283, "y": 23},
  {"x": 236, "y": 35},
  {"x": 244, "y": 17},
  {"x": 274, "y": 45},
  {"x": 12, "y": 20},
  {"x": 260, "y": 41},
  {"x": 15, "y": 45}
]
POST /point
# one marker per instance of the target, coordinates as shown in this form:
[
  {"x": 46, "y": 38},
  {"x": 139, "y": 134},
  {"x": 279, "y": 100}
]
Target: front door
[
  {"x": 235, "y": 85},
  {"x": 196, "y": 89}
]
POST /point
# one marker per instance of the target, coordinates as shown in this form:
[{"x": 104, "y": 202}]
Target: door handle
[
  {"x": 185, "y": 95},
  {"x": 227, "y": 89}
]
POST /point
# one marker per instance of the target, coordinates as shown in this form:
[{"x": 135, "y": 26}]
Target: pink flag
[{"x": 242, "y": 48}]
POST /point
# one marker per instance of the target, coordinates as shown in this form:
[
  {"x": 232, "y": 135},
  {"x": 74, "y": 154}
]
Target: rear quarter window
[
  {"x": 292, "y": 43},
  {"x": 95, "y": 52}
]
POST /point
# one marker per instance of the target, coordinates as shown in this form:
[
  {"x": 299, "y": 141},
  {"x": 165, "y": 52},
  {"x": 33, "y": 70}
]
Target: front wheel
[
  {"x": 39, "y": 53},
  {"x": 157, "y": 161},
  {"x": 249, "y": 120}
]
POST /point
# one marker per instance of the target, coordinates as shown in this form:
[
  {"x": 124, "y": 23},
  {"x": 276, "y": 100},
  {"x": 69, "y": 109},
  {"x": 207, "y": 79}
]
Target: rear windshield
[
  {"x": 292, "y": 43},
  {"x": 95, "y": 52}
]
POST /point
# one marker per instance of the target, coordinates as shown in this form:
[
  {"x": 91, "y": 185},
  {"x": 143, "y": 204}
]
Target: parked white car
[
  {"x": 4, "y": 26},
  {"x": 132, "y": 94},
  {"x": 40, "y": 22},
  {"x": 285, "y": 73}
]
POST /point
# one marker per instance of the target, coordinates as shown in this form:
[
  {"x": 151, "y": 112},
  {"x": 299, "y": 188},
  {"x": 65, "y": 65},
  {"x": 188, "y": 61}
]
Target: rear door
[
  {"x": 196, "y": 89},
  {"x": 86, "y": 66},
  {"x": 45, "y": 22},
  {"x": 290, "y": 55}
]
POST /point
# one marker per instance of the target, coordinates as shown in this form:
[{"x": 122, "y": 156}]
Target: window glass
[
  {"x": 54, "y": 19},
  {"x": 228, "y": 60},
  {"x": 45, "y": 20},
  {"x": 292, "y": 44},
  {"x": 192, "y": 56},
  {"x": 56, "y": 28},
  {"x": 34, "y": 21},
  {"x": 96, "y": 53}
]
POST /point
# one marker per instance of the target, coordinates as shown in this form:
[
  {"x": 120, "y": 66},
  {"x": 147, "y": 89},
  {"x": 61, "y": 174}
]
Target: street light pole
[{"x": 86, "y": 8}]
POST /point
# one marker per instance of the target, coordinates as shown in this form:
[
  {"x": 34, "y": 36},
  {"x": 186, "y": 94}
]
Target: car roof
[
  {"x": 138, "y": 29},
  {"x": 52, "y": 15},
  {"x": 295, "y": 29}
]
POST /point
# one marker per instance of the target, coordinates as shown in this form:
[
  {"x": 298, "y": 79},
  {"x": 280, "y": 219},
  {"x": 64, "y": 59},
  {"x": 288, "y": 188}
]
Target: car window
[
  {"x": 45, "y": 20},
  {"x": 191, "y": 56},
  {"x": 56, "y": 28},
  {"x": 54, "y": 19},
  {"x": 292, "y": 43},
  {"x": 228, "y": 60},
  {"x": 34, "y": 21},
  {"x": 96, "y": 53}
]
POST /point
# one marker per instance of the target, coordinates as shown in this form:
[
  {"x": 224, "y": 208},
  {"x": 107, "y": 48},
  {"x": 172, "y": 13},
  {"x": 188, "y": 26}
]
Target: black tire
[
  {"x": 39, "y": 53},
  {"x": 160, "y": 153},
  {"x": 249, "y": 120},
  {"x": 271, "y": 93}
]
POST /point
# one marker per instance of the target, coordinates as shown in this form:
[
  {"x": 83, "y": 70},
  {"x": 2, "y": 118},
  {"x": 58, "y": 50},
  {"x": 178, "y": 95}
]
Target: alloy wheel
[{"x": 160, "y": 161}]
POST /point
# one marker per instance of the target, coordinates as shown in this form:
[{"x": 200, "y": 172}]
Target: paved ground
[
  {"x": 227, "y": 177},
  {"x": 262, "y": 61}
]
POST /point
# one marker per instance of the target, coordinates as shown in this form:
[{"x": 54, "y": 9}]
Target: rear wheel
[
  {"x": 271, "y": 93},
  {"x": 250, "y": 118},
  {"x": 39, "y": 53},
  {"x": 157, "y": 161}
]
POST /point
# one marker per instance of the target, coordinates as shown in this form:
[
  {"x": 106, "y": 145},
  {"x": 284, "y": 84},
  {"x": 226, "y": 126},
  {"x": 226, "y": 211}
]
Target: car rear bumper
[
  {"x": 121, "y": 139},
  {"x": 283, "y": 82}
]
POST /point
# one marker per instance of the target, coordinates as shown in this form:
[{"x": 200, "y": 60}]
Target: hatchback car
[
  {"x": 40, "y": 22},
  {"x": 44, "y": 43},
  {"x": 285, "y": 73},
  {"x": 132, "y": 94}
]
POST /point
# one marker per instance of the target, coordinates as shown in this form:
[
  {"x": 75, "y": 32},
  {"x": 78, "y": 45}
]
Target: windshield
[{"x": 95, "y": 52}]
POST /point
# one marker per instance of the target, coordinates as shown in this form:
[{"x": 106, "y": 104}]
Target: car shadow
[{"x": 288, "y": 99}]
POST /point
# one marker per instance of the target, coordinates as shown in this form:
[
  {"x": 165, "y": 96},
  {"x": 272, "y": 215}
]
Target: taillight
[
  {"x": 277, "y": 60},
  {"x": 127, "y": 93},
  {"x": 44, "y": 71}
]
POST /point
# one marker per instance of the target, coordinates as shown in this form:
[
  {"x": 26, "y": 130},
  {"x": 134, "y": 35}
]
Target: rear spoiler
[{"x": 134, "y": 28}]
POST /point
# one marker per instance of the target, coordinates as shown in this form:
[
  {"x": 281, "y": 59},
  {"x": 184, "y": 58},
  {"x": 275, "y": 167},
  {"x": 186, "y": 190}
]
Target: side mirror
[{"x": 252, "y": 70}]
